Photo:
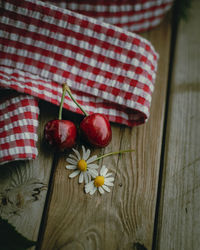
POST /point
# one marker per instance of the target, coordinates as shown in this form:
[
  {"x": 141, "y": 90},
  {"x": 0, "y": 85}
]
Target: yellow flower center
[
  {"x": 82, "y": 165},
  {"x": 99, "y": 181}
]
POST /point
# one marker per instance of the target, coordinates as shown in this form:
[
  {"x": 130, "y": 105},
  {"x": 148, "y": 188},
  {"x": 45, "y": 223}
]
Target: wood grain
[
  {"x": 24, "y": 184},
  {"x": 124, "y": 218},
  {"x": 179, "y": 217}
]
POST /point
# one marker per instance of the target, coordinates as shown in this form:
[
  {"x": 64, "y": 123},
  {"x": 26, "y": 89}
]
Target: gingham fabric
[
  {"x": 134, "y": 15},
  {"x": 18, "y": 128},
  {"x": 109, "y": 69}
]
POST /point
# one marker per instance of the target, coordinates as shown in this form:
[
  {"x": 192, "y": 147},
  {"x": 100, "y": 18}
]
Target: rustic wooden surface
[
  {"x": 45, "y": 205},
  {"x": 24, "y": 184},
  {"x": 179, "y": 217},
  {"x": 124, "y": 218}
]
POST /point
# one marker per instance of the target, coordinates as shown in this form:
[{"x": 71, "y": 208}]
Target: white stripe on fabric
[
  {"x": 95, "y": 21},
  {"x": 131, "y": 104},
  {"x": 145, "y": 25},
  {"x": 136, "y": 17},
  {"x": 150, "y": 4},
  {"x": 99, "y": 8},
  {"x": 72, "y": 41},
  {"x": 85, "y": 31},
  {"x": 16, "y": 100},
  {"x": 81, "y": 87},
  {"x": 19, "y": 136},
  {"x": 111, "y": 8},
  {"x": 70, "y": 54},
  {"x": 19, "y": 110},
  {"x": 49, "y": 86},
  {"x": 19, "y": 123},
  {"x": 18, "y": 150},
  {"x": 107, "y": 111}
]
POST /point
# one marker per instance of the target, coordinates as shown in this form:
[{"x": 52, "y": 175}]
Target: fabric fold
[
  {"x": 18, "y": 128},
  {"x": 133, "y": 15},
  {"x": 112, "y": 71}
]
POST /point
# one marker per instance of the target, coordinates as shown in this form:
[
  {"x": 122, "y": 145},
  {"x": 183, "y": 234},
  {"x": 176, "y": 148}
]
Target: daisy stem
[
  {"x": 114, "y": 153},
  {"x": 73, "y": 99},
  {"x": 61, "y": 103}
]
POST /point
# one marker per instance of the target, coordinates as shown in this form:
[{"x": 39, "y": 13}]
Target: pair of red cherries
[{"x": 62, "y": 134}]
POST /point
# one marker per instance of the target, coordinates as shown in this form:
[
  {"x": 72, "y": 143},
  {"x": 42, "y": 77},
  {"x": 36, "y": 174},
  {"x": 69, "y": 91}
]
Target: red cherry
[
  {"x": 60, "y": 133},
  {"x": 96, "y": 130}
]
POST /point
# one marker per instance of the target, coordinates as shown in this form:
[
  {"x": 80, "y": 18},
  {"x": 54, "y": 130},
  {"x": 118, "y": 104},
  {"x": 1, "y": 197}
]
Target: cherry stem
[
  {"x": 73, "y": 99},
  {"x": 114, "y": 153},
  {"x": 61, "y": 103}
]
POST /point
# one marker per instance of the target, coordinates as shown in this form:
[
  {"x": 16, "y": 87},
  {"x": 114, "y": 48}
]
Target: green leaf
[
  {"x": 182, "y": 9},
  {"x": 10, "y": 239}
]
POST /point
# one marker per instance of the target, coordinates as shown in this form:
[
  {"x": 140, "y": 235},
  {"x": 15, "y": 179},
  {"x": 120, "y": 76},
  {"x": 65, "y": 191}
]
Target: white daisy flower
[
  {"x": 82, "y": 165},
  {"x": 100, "y": 183}
]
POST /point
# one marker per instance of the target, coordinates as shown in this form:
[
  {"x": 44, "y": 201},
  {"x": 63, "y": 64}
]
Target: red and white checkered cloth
[
  {"x": 18, "y": 128},
  {"x": 109, "y": 69},
  {"x": 134, "y": 15}
]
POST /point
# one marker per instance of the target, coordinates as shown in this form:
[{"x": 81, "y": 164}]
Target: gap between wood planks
[
  {"x": 47, "y": 201},
  {"x": 174, "y": 25},
  {"x": 179, "y": 221}
]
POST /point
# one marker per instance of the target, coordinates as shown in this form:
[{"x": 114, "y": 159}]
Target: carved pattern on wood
[{"x": 14, "y": 200}]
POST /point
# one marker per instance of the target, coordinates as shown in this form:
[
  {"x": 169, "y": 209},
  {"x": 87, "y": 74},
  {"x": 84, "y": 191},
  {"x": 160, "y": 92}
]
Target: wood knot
[
  {"x": 3, "y": 201},
  {"x": 14, "y": 199},
  {"x": 138, "y": 246}
]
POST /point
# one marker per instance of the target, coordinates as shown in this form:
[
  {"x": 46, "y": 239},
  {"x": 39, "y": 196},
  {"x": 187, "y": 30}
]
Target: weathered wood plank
[
  {"x": 24, "y": 184},
  {"x": 124, "y": 218},
  {"x": 179, "y": 216}
]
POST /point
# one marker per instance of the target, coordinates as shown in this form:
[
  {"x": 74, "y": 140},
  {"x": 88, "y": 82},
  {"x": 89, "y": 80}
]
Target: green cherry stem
[
  {"x": 62, "y": 101},
  {"x": 73, "y": 99},
  {"x": 114, "y": 153}
]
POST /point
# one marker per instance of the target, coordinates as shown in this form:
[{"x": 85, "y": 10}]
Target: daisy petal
[
  {"x": 86, "y": 154},
  {"x": 73, "y": 157},
  {"x": 72, "y": 167},
  {"x": 108, "y": 174},
  {"x": 74, "y": 174},
  {"x": 110, "y": 179},
  {"x": 93, "y": 158},
  {"x": 72, "y": 161},
  {"x": 106, "y": 188},
  {"x": 93, "y": 190},
  {"x": 90, "y": 184},
  {"x": 87, "y": 189},
  {"x": 83, "y": 149},
  {"x": 80, "y": 180},
  {"x": 101, "y": 191},
  {"x": 85, "y": 175},
  {"x": 107, "y": 183},
  {"x": 89, "y": 177},
  {"x": 103, "y": 170},
  {"x": 93, "y": 165},
  {"x": 77, "y": 153},
  {"x": 93, "y": 173}
]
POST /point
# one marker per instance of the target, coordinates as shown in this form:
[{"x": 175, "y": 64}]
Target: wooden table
[{"x": 155, "y": 201}]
